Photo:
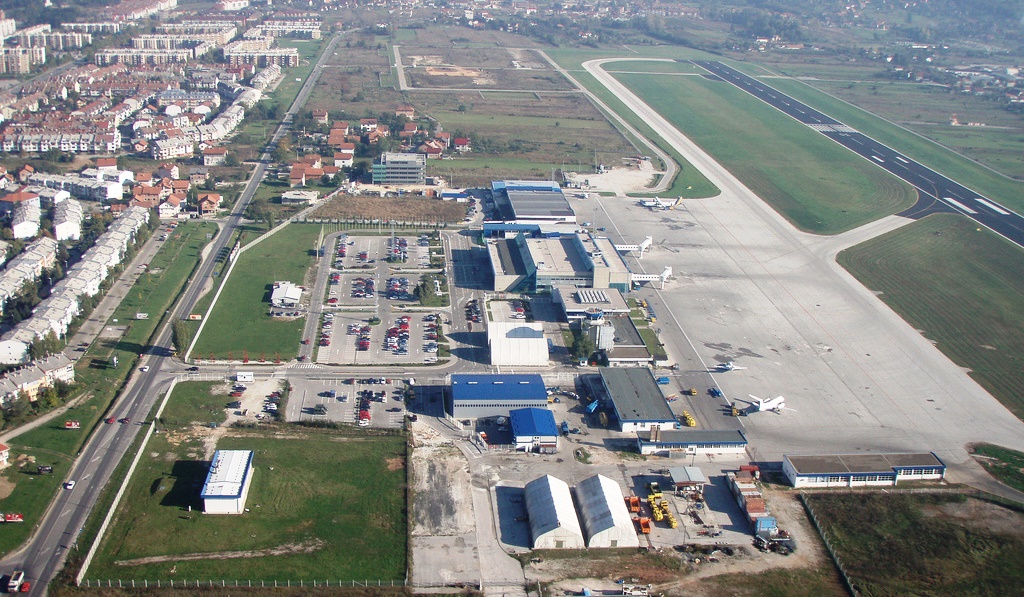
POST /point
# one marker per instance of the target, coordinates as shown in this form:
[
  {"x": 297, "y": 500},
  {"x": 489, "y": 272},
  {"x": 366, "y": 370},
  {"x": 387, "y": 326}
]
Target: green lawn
[
  {"x": 1003, "y": 464},
  {"x": 353, "y": 525},
  {"x": 196, "y": 403},
  {"x": 818, "y": 185},
  {"x": 240, "y": 320},
  {"x": 911, "y": 545},
  {"x": 963, "y": 286},
  {"x": 31, "y": 492}
]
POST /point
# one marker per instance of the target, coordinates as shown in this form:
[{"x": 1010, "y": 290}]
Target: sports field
[
  {"x": 813, "y": 182},
  {"x": 322, "y": 505},
  {"x": 963, "y": 287},
  {"x": 240, "y": 320}
]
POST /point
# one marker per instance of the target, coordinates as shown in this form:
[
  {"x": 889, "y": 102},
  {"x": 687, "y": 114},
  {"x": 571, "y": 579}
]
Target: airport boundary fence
[
  {"x": 224, "y": 583},
  {"x": 828, "y": 546}
]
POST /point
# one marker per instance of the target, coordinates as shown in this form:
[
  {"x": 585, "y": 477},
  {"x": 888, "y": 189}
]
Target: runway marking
[
  {"x": 928, "y": 180},
  {"x": 992, "y": 206},
  {"x": 877, "y": 159},
  {"x": 902, "y": 160},
  {"x": 959, "y": 205}
]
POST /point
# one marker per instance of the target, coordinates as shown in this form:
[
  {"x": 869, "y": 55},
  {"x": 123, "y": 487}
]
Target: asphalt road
[
  {"x": 44, "y": 554},
  {"x": 935, "y": 191}
]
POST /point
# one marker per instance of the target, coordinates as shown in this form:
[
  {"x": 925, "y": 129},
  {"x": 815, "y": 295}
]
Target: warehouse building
[
  {"x": 227, "y": 483},
  {"x": 636, "y": 399},
  {"x": 517, "y": 344},
  {"x": 861, "y": 470},
  {"x": 603, "y": 511},
  {"x": 476, "y": 396},
  {"x": 553, "y": 522},
  {"x": 689, "y": 442},
  {"x": 526, "y": 206},
  {"x": 534, "y": 430}
]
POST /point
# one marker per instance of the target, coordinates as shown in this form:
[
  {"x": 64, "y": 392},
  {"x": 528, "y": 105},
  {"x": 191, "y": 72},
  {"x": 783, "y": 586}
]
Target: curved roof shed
[
  {"x": 605, "y": 516},
  {"x": 553, "y": 522}
]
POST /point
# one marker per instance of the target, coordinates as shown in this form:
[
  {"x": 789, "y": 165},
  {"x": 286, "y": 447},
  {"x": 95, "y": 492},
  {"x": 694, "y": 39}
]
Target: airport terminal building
[{"x": 528, "y": 264}]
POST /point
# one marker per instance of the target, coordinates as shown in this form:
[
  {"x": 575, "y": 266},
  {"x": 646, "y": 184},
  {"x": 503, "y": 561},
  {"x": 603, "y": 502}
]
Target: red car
[{"x": 110, "y": 420}]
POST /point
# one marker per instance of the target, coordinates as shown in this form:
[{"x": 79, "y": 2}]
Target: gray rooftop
[
  {"x": 533, "y": 203},
  {"x": 860, "y": 463},
  {"x": 635, "y": 394},
  {"x": 696, "y": 436}
]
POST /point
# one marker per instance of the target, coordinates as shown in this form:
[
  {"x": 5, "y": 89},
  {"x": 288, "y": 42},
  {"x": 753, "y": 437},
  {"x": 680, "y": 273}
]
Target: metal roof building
[
  {"x": 533, "y": 201},
  {"x": 636, "y": 399},
  {"x": 534, "y": 429},
  {"x": 861, "y": 470},
  {"x": 553, "y": 522},
  {"x": 227, "y": 483},
  {"x": 475, "y": 396},
  {"x": 604, "y": 514}
]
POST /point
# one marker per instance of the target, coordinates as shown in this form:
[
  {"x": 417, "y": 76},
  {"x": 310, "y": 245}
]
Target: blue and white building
[
  {"x": 534, "y": 430},
  {"x": 691, "y": 442},
  {"x": 476, "y": 396},
  {"x": 861, "y": 470},
  {"x": 636, "y": 399},
  {"x": 227, "y": 483}
]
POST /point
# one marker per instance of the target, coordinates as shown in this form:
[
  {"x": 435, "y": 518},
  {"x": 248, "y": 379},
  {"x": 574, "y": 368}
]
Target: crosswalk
[
  {"x": 307, "y": 366},
  {"x": 832, "y": 128}
]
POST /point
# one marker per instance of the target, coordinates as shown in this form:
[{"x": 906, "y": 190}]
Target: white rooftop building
[
  {"x": 285, "y": 294},
  {"x": 553, "y": 522},
  {"x": 227, "y": 483},
  {"x": 604, "y": 514},
  {"x": 67, "y": 220},
  {"x": 517, "y": 344}
]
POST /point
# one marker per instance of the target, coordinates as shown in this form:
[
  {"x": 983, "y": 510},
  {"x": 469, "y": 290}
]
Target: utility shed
[
  {"x": 604, "y": 514},
  {"x": 687, "y": 478},
  {"x": 227, "y": 483},
  {"x": 553, "y": 522}
]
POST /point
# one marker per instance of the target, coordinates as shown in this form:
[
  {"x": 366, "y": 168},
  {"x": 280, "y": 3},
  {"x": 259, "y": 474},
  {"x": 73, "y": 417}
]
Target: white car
[
  {"x": 144, "y": 368},
  {"x": 69, "y": 485}
]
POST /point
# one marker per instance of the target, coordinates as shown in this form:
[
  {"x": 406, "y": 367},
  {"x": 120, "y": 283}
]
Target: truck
[{"x": 663, "y": 381}]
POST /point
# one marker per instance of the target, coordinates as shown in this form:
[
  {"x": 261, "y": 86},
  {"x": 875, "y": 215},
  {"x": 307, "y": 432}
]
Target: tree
[
  {"x": 582, "y": 346},
  {"x": 180, "y": 336}
]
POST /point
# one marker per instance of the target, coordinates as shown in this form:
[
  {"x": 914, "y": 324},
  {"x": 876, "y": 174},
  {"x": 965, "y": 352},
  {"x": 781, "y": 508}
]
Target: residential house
[
  {"x": 167, "y": 170},
  {"x": 367, "y": 125},
  {"x": 209, "y": 203},
  {"x": 171, "y": 206},
  {"x": 214, "y": 156},
  {"x": 198, "y": 176},
  {"x": 320, "y": 116},
  {"x": 463, "y": 144},
  {"x": 407, "y": 111},
  {"x": 106, "y": 164}
]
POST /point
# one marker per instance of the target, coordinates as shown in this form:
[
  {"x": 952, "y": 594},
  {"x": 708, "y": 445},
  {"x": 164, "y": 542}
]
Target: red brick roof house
[
  {"x": 407, "y": 111},
  {"x": 463, "y": 144},
  {"x": 320, "y": 116}
]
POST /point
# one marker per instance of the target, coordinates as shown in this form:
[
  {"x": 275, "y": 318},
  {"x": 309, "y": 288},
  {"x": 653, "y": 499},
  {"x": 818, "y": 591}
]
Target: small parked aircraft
[
  {"x": 730, "y": 366},
  {"x": 657, "y": 203},
  {"x": 777, "y": 404}
]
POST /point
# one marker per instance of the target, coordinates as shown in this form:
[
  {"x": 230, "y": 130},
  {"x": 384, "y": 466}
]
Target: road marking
[
  {"x": 992, "y": 206},
  {"x": 959, "y": 205}
]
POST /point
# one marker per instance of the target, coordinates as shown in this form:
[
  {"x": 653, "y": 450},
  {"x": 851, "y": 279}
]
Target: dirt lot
[{"x": 416, "y": 209}]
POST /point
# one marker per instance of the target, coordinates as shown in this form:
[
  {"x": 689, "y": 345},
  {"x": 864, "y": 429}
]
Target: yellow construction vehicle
[{"x": 688, "y": 419}]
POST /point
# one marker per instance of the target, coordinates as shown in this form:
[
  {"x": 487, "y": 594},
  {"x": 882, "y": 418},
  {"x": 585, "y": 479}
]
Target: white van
[
  {"x": 242, "y": 376},
  {"x": 17, "y": 578}
]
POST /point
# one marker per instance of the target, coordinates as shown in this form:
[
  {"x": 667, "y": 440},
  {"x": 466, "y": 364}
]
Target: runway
[{"x": 936, "y": 193}]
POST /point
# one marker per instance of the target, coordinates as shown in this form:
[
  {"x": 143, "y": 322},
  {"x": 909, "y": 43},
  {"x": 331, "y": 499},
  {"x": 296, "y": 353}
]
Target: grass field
[
  {"x": 813, "y": 182},
  {"x": 30, "y": 492},
  {"x": 926, "y": 270},
  {"x": 326, "y": 525},
  {"x": 240, "y": 319},
  {"x": 924, "y": 544},
  {"x": 1002, "y": 463}
]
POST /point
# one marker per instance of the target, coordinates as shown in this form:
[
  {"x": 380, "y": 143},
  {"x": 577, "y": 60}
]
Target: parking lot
[
  {"x": 380, "y": 402},
  {"x": 361, "y": 285}
]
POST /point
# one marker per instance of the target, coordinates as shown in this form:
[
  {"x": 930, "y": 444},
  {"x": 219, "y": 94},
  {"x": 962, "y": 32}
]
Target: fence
[
  {"x": 185, "y": 584},
  {"x": 828, "y": 545}
]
